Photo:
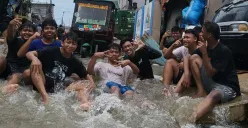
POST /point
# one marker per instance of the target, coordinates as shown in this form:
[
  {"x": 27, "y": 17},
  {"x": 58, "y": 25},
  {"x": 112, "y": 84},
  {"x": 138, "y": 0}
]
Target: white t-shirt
[
  {"x": 108, "y": 72},
  {"x": 180, "y": 52}
]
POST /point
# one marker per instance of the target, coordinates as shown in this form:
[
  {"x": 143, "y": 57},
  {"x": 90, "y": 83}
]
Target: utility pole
[{"x": 62, "y": 20}]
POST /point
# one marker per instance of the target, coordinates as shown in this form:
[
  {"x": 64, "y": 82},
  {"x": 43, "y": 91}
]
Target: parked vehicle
[{"x": 233, "y": 21}]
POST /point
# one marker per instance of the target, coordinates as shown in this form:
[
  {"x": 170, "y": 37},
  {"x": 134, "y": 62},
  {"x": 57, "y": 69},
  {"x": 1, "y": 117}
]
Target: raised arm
[
  {"x": 168, "y": 53},
  {"x": 92, "y": 62},
  {"x": 24, "y": 49},
  {"x": 12, "y": 28},
  {"x": 36, "y": 64}
]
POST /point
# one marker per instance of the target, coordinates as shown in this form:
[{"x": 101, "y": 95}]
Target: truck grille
[{"x": 224, "y": 28}]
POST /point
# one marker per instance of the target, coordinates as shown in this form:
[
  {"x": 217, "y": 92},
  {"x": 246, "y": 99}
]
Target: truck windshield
[
  {"x": 91, "y": 14},
  {"x": 232, "y": 13}
]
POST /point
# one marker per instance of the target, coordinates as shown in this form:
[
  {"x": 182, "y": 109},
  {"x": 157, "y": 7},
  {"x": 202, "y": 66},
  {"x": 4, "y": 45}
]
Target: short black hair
[
  {"x": 198, "y": 29},
  {"x": 124, "y": 41},
  {"x": 114, "y": 46},
  {"x": 212, "y": 28},
  {"x": 28, "y": 24},
  {"x": 191, "y": 31},
  {"x": 49, "y": 21},
  {"x": 70, "y": 36},
  {"x": 176, "y": 29}
]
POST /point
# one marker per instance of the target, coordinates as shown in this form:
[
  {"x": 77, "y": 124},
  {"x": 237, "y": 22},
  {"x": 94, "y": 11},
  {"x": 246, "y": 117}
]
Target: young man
[
  {"x": 49, "y": 28},
  {"x": 13, "y": 66},
  {"x": 58, "y": 64},
  {"x": 167, "y": 41},
  {"x": 140, "y": 57},
  {"x": 177, "y": 64},
  {"x": 114, "y": 74},
  {"x": 213, "y": 68}
]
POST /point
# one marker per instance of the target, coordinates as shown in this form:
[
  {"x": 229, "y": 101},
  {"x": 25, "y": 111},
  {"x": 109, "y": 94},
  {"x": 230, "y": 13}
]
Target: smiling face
[
  {"x": 26, "y": 33},
  {"x": 189, "y": 40},
  {"x": 69, "y": 46},
  {"x": 49, "y": 32},
  {"x": 128, "y": 48}
]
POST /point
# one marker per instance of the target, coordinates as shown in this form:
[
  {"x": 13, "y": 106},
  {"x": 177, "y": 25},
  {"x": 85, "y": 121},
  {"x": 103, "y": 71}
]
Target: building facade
[{"x": 41, "y": 11}]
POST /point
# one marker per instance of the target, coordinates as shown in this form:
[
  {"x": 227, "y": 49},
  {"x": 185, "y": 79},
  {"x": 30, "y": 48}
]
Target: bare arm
[
  {"x": 134, "y": 67},
  {"x": 32, "y": 55},
  {"x": 168, "y": 53},
  {"x": 24, "y": 49},
  {"x": 162, "y": 43},
  {"x": 207, "y": 65},
  {"x": 12, "y": 28},
  {"x": 91, "y": 65}
]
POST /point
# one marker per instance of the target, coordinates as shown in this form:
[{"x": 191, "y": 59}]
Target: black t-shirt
[
  {"x": 168, "y": 42},
  {"x": 57, "y": 68},
  {"x": 222, "y": 60},
  {"x": 141, "y": 60},
  {"x": 13, "y": 47}
]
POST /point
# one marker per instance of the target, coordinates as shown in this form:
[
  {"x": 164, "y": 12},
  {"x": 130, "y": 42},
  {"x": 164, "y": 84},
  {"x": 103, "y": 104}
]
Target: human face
[
  {"x": 113, "y": 54},
  {"x": 176, "y": 35},
  {"x": 26, "y": 33},
  {"x": 205, "y": 34},
  {"x": 128, "y": 48},
  {"x": 189, "y": 40},
  {"x": 49, "y": 32},
  {"x": 69, "y": 46}
]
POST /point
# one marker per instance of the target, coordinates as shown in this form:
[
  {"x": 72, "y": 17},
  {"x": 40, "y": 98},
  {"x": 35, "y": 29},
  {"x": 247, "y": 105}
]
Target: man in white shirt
[{"x": 115, "y": 73}]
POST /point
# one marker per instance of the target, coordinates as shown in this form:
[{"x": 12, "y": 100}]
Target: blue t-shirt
[{"x": 38, "y": 44}]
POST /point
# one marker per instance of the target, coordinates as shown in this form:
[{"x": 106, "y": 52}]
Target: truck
[{"x": 93, "y": 22}]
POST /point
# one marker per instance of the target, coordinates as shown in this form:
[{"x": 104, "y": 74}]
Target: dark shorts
[
  {"x": 123, "y": 89},
  {"x": 18, "y": 68},
  {"x": 227, "y": 93},
  {"x": 177, "y": 79},
  {"x": 6, "y": 73}
]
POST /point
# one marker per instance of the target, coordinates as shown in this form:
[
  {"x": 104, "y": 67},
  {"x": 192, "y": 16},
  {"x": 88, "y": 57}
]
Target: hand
[
  {"x": 123, "y": 63},
  {"x": 202, "y": 47},
  {"x": 176, "y": 44},
  {"x": 75, "y": 76},
  {"x": 16, "y": 22},
  {"x": 35, "y": 36},
  {"x": 138, "y": 44},
  {"x": 36, "y": 66},
  {"x": 101, "y": 55},
  {"x": 186, "y": 81},
  {"x": 166, "y": 34}
]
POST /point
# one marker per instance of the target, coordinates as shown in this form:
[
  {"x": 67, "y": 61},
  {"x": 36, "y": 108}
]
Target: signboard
[
  {"x": 138, "y": 23},
  {"x": 148, "y": 18},
  {"x": 91, "y": 16}
]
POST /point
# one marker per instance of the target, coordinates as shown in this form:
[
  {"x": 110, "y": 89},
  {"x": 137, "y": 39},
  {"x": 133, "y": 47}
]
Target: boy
[
  {"x": 12, "y": 67},
  {"x": 177, "y": 65},
  {"x": 141, "y": 57},
  {"x": 58, "y": 64},
  {"x": 49, "y": 28},
  {"x": 214, "y": 70},
  {"x": 115, "y": 73}
]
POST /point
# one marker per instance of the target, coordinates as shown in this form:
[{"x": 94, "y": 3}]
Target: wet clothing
[
  {"x": 142, "y": 60},
  {"x": 15, "y": 64},
  {"x": 123, "y": 89},
  {"x": 38, "y": 44},
  {"x": 227, "y": 93},
  {"x": 221, "y": 59},
  {"x": 117, "y": 74},
  {"x": 56, "y": 67}
]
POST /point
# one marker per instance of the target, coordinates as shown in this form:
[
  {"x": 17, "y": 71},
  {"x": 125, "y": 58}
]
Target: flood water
[{"x": 149, "y": 108}]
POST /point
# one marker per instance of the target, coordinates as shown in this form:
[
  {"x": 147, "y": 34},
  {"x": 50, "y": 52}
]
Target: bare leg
[
  {"x": 27, "y": 77},
  {"x": 3, "y": 64},
  {"x": 213, "y": 98},
  {"x": 179, "y": 87},
  {"x": 82, "y": 94},
  {"x": 195, "y": 65},
  {"x": 128, "y": 94},
  {"x": 14, "y": 79},
  {"x": 39, "y": 82},
  {"x": 171, "y": 70},
  {"x": 115, "y": 90}
]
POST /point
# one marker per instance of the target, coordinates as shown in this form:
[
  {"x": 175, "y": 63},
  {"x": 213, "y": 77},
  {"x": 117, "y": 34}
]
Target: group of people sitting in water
[{"x": 48, "y": 65}]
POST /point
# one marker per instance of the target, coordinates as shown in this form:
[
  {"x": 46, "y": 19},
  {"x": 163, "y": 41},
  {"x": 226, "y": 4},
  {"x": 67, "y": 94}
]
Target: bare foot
[
  {"x": 9, "y": 88},
  {"x": 85, "y": 106},
  {"x": 45, "y": 99},
  {"x": 167, "y": 91}
]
